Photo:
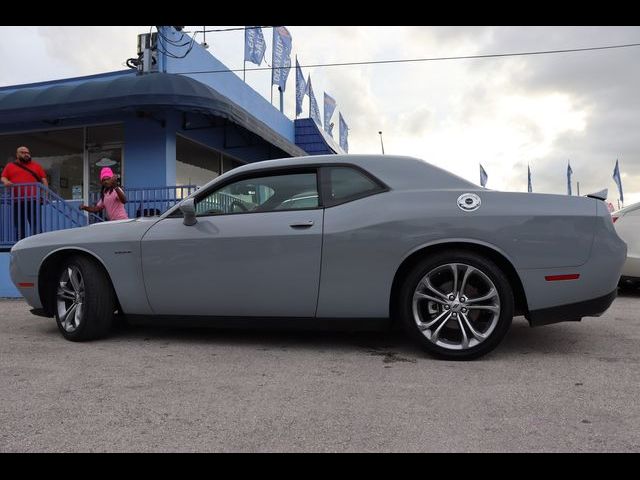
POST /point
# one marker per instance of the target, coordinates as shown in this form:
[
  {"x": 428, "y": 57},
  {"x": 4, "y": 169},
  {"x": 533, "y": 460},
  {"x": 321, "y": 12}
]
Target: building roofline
[{"x": 62, "y": 81}]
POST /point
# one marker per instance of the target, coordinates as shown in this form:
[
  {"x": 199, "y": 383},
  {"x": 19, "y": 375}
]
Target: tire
[
  {"x": 440, "y": 324},
  {"x": 83, "y": 282}
]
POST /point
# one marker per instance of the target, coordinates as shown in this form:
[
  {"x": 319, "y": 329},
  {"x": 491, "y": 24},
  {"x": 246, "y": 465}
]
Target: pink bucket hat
[{"x": 106, "y": 172}]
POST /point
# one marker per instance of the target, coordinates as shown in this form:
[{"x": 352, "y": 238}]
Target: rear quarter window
[{"x": 343, "y": 184}]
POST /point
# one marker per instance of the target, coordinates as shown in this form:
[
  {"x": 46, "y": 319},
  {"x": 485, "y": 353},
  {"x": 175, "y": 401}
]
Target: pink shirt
[{"x": 113, "y": 206}]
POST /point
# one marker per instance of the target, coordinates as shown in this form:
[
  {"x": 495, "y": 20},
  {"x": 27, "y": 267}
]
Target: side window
[
  {"x": 262, "y": 194},
  {"x": 345, "y": 183}
]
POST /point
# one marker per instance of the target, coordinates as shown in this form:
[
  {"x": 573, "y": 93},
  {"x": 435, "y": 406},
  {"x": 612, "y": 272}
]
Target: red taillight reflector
[
  {"x": 553, "y": 278},
  {"x": 25, "y": 284}
]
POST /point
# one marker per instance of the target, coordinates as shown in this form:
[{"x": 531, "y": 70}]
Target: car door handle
[{"x": 306, "y": 224}]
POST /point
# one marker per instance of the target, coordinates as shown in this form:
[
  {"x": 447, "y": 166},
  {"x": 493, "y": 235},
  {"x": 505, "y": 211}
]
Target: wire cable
[
  {"x": 232, "y": 29},
  {"x": 162, "y": 47},
  {"x": 431, "y": 59}
]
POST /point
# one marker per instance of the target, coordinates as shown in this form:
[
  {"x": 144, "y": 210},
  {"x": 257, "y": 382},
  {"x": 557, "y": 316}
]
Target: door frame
[{"x": 86, "y": 166}]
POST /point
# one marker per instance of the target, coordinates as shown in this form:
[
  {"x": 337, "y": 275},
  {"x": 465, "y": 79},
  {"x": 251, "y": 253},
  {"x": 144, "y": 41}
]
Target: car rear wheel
[
  {"x": 457, "y": 305},
  {"x": 84, "y": 300}
]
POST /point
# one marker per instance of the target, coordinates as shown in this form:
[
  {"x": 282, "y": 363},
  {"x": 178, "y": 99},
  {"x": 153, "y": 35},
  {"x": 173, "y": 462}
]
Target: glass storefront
[
  {"x": 62, "y": 154},
  {"x": 74, "y": 157}
]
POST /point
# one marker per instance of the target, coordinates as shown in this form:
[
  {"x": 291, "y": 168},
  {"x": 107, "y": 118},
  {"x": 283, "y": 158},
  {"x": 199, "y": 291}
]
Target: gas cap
[{"x": 469, "y": 202}]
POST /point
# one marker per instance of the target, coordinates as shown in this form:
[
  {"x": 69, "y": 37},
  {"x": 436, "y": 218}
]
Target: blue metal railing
[
  {"x": 31, "y": 208},
  {"x": 152, "y": 201}
]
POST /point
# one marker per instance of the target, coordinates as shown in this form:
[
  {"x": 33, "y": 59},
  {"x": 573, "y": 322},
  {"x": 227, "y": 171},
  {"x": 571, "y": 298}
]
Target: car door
[{"x": 252, "y": 252}]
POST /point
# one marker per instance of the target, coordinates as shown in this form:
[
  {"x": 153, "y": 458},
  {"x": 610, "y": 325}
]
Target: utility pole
[{"x": 381, "y": 142}]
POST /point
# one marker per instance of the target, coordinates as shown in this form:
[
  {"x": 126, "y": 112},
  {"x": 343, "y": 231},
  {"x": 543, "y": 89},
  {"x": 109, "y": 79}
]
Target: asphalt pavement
[{"x": 569, "y": 387}]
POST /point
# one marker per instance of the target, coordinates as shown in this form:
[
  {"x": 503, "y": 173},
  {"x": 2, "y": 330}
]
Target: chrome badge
[{"x": 469, "y": 202}]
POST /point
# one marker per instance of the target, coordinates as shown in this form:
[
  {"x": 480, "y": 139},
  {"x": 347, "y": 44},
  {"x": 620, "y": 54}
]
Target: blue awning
[{"x": 130, "y": 92}]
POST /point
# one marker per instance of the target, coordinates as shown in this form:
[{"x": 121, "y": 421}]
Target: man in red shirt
[{"x": 25, "y": 203}]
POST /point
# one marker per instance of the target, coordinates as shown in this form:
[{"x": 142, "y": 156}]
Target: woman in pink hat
[{"x": 112, "y": 197}]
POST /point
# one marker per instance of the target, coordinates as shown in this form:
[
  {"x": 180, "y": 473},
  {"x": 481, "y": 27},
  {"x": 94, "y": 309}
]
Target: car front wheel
[
  {"x": 84, "y": 300},
  {"x": 457, "y": 305}
]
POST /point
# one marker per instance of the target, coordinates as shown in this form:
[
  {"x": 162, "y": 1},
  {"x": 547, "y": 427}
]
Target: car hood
[{"x": 116, "y": 231}]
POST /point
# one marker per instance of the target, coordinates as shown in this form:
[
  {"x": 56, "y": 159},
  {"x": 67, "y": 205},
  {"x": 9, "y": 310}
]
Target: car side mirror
[{"x": 188, "y": 209}]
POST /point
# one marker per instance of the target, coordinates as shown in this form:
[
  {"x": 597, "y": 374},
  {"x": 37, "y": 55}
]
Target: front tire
[
  {"x": 457, "y": 305},
  {"x": 83, "y": 300}
]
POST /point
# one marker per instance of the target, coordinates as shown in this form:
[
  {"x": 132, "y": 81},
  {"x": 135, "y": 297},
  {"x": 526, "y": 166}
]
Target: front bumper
[
  {"x": 572, "y": 312},
  {"x": 27, "y": 285}
]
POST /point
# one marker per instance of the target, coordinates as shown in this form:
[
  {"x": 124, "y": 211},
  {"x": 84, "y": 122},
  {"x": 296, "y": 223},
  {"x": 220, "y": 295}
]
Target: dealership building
[{"x": 164, "y": 132}]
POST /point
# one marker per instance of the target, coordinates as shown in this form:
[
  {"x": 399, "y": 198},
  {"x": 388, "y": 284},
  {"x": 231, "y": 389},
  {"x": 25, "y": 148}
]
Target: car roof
[{"x": 398, "y": 172}]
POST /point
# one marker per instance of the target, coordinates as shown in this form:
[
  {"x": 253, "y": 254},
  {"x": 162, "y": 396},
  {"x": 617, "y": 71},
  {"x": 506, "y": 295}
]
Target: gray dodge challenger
[{"x": 357, "y": 240}]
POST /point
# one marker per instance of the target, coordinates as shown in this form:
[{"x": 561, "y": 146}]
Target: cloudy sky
[{"x": 505, "y": 113}]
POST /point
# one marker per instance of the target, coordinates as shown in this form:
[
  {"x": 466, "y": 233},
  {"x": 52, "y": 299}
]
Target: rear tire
[
  {"x": 458, "y": 315},
  {"x": 84, "y": 301}
]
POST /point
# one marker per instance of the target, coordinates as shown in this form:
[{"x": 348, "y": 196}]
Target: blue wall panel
[{"x": 7, "y": 289}]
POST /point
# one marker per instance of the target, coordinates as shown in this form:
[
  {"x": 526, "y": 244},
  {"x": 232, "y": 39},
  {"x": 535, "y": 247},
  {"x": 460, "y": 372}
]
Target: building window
[
  {"x": 60, "y": 152},
  {"x": 229, "y": 163},
  {"x": 195, "y": 163}
]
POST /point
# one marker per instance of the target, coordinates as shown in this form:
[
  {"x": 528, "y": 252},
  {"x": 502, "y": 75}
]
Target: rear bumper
[{"x": 572, "y": 312}]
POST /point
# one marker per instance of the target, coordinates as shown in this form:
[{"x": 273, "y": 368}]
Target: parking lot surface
[{"x": 567, "y": 387}]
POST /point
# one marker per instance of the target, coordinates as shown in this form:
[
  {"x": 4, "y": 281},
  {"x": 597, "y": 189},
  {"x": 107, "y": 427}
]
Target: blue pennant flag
[
  {"x": 569, "y": 173},
  {"x": 529, "y": 187},
  {"x": 314, "y": 111},
  {"x": 301, "y": 88},
  {"x": 344, "y": 133},
  {"x": 281, "y": 61},
  {"x": 329, "y": 108},
  {"x": 618, "y": 180},
  {"x": 254, "y": 45},
  {"x": 483, "y": 177}
]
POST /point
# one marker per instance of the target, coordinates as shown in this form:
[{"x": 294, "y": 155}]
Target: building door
[{"x": 104, "y": 156}]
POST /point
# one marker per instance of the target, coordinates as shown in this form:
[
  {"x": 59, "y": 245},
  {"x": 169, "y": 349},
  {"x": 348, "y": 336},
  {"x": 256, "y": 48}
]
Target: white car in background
[{"x": 627, "y": 224}]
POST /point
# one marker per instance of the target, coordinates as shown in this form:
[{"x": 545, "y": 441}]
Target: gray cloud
[
  {"x": 416, "y": 122},
  {"x": 436, "y": 100},
  {"x": 86, "y": 49},
  {"x": 604, "y": 83}
]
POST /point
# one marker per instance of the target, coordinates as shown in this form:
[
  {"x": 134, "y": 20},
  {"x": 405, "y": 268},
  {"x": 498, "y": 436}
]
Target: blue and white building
[{"x": 164, "y": 132}]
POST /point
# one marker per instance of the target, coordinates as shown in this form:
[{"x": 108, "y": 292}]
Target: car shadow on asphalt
[
  {"x": 629, "y": 292},
  {"x": 391, "y": 345}
]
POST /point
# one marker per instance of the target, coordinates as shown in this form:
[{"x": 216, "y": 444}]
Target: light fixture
[{"x": 105, "y": 162}]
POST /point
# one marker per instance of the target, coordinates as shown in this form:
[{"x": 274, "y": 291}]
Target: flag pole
[
  {"x": 309, "y": 88},
  {"x": 273, "y": 36},
  {"x": 244, "y": 63}
]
